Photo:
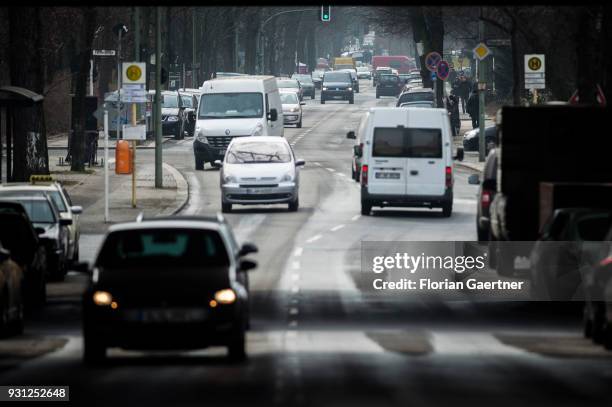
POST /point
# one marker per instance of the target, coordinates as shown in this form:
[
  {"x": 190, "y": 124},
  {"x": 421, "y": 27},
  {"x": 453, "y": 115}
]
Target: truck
[
  {"x": 344, "y": 63},
  {"x": 549, "y": 157},
  {"x": 403, "y": 64}
]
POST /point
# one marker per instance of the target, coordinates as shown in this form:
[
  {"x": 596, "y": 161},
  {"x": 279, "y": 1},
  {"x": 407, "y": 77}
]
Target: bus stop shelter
[{"x": 11, "y": 98}]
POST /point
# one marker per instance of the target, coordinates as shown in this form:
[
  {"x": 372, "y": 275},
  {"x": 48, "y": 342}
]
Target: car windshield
[
  {"x": 258, "y": 152},
  {"x": 337, "y": 77},
  {"x": 303, "y": 78},
  {"x": 231, "y": 106},
  {"x": 186, "y": 101},
  {"x": 170, "y": 101},
  {"x": 288, "y": 84},
  {"x": 416, "y": 96},
  {"x": 389, "y": 78},
  {"x": 289, "y": 99},
  {"x": 55, "y": 196},
  {"x": 164, "y": 248},
  {"x": 407, "y": 142},
  {"x": 39, "y": 211}
]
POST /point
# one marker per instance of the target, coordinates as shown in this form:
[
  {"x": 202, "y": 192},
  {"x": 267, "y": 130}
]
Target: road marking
[
  {"x": 341, "y": 174},
  {"x": 295, "y": 265},
  {"x": 319, "y": 164},
  {"x": 298, "y": 251},
  {"x": 354, "y": 218},
  {"x": 335, "y": 228},
  {"x": 314, "y": 239},
  {"x": 330, "y": 169},
  {"x": 293, "y": 311}
]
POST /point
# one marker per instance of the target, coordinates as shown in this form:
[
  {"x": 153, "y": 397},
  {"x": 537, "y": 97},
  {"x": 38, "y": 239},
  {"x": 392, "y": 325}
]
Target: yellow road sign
[
  {"x": 534, "y": 63},
  {"x": 481, "y": 51},
  {"x": 133, "y": 72}
]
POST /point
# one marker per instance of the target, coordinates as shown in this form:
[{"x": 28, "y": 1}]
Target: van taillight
[
  {"x": 606, "y": 261},
  {"x": 485, "y": 199},
  {"x": 364, "y": 175},
  {"x": 449, "y": 177}
]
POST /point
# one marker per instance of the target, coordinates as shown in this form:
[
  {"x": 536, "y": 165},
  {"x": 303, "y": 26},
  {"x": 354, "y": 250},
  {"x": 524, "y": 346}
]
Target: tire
[
  {"x": 226, "y": 207},
  {"x": 293, "y": 206},
  {"x": 447, "y": 209},
  {"x": 94, "y": 351},
  {"x": 199, "y": 164},
  {"x": 366, "y": 208},
  {"x": 236, "y": 349},
  {"x": 299, "y": 125},
  {"x": 353, "y": 174},
  {"x": 322, "y": 101},
  {"x": 351, "y": 101},
  {"x": 607, "y": 337}
]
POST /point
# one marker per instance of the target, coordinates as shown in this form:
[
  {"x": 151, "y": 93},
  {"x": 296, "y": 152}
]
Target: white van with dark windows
[
  {"x": 406, "y": 159},
  {"x": 237, "y": 106}
]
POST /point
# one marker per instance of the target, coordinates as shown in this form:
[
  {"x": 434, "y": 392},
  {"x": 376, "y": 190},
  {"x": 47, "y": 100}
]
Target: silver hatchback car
[{"x": 260, "y": 170}]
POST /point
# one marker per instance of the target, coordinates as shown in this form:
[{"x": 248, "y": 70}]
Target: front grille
[
  {"x": 258, "y": 185},
  {"x": 220, "y": 141},
  {"x": 258, "y": 197}
]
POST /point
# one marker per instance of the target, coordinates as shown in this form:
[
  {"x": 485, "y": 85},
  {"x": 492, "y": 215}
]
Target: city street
[{"x": 318, "y": 337}]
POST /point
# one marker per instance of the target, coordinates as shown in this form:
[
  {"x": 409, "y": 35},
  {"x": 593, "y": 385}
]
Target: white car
[
  {"x": 292, "y": 108},
  {"x": 363, "y": 72},
  {"x": 260, "y": 170}
]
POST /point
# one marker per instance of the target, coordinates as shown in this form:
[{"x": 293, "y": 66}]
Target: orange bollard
[{"x": 123, "y": 158}]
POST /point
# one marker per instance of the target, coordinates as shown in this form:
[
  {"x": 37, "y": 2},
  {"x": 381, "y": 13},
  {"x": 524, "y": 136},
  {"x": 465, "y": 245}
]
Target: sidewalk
[
  {"x": 87, "y": 189},
  {"x": 60, "y": 142}
]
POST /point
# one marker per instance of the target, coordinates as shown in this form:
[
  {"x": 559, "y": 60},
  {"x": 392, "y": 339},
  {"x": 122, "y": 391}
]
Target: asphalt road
[{"x": 318, "y": 337}]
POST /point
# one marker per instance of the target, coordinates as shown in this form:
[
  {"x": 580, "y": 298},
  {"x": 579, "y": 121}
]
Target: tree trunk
[
  {"x": 88, "y": 27},
  {"x": 30, "y": 155}
]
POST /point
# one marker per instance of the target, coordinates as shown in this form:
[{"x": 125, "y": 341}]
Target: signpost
[
  {"x": 431, "y": 61},
  {"x": 535, "y": 74},
  {"x": 133, "y": 91}
]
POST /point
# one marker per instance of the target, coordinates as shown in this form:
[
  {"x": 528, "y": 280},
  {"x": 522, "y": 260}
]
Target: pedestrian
[
  {"x": 463, "y": 90},
  {"x": 453, "y": 109},
  {"x": 473, "y": 106}
]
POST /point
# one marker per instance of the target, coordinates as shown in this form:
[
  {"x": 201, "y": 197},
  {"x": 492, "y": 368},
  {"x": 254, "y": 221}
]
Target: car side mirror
[
  {"x": 459, "y": 156},
  {"x": 81, "y": 267},
  {"x": 300, "y": 162},
  {"x": 77, "y": 209},
  {"x": 247, "y": 248},
  {"x": 65, "y": 222},
  {"x": 218, "y": 163},
  {"x": 39, "y": 231},
  {"x": 351, "y": 135},
  {"x": 273, "y": 115},
  {"x": 246, "y": 265},
  {"x": 474, "y": 179}
]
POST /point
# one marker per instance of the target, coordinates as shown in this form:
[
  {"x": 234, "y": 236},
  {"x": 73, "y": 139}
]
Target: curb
[
  {"x": 470, "y": 167},
  {"x": 181, "y": 185}
]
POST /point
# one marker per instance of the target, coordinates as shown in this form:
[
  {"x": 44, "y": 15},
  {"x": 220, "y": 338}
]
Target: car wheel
[
  {"x": 293, "y": 206},
  {"x": 351, "y": 101},
  {"x": 366, "y": 207},
  {"x": 236, "y": 349},
  {"x": 199, "y": 164},
  {"x": 447, "y": 209},
  {"x": 94, "y": 351},
  {"x": 597, "y": 323},
  {"x": 299, "y": 125},
  {"x": 322, "y": 101}
]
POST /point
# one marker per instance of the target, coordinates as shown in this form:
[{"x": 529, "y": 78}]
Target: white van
[
  {"x": 235, "y": 106},
  {"x": 406, "y": 159}
]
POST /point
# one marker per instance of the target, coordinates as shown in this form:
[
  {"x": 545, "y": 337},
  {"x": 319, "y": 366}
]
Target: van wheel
[
  {"x": 366, "y": 207},
  {"x": 226, "y": 207},
  {"x": 447, "y": 209}
]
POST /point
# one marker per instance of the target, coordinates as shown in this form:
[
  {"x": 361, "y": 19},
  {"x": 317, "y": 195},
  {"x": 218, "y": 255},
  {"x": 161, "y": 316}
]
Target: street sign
[
  {"x": 481, "y": 51},
  {"x": 104, "y": 52},
  {"x": 134, "y": 73},
  {"x": 498, "y": 42},
  {"x": 443, "y": 70},
  {"x": 133, "y": 93},
  {"x": 431, "y": 61},
  {"x": 433, "y": 76},
  {"x": 137, "y": 132},
  {"x": 535, "y": 71}
]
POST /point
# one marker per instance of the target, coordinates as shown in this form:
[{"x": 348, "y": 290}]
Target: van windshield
[
  {"x": 231, "y": 106},
  {"x": 407, "y": 142}
]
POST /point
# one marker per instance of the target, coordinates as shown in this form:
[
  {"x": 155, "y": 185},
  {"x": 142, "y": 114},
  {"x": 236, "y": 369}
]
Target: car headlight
[
  {"x": 349, "y": 88},
  {"x": 294, "y": 110},
  {"x": 104, "y": 299},
  {"x": 288, "y": 177},
  {"x": 258, "y": 130},
  {"x": 229, "y": 179},
  {"x": 202, "y": 138},
  {"x": 226, "y": 296},
  {"x": 324, "y": 88},
  {"x": 173, "y": 118}
]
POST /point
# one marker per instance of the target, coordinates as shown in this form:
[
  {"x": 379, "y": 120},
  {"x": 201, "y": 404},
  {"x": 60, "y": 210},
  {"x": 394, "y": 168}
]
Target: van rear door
[
  {"x": 388, "y": 166},
  {"x": 426, "y": 170}
]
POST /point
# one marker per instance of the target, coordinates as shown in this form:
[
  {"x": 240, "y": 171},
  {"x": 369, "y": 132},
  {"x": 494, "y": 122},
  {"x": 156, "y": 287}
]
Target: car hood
[
  {"x": 228, "y": 127},
  {"x": 287, "y": 107},
  {"x": 170, "y": 111},
  {"x": 337, "y": 84},
  {"x": 258, "y": 172}
]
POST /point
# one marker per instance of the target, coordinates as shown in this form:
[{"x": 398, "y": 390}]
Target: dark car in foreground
[
  {"x": 486, "y": 193},
  {"x": 337, "y": 86},
  {"x": 168, "y": 283},
  {"x": 11, "y": 299},
  {"x": 471, "y": 141}
]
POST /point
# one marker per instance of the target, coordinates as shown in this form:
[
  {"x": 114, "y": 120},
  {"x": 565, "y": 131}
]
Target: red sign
[
  {"x": 443, "y": 70},
  {"x": 431, "y": 61}
]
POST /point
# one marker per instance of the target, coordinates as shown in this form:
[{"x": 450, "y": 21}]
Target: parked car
[
  {"x": 291, "y": 84},
  {"x": 363, "y": 72},
  {"x": 292, "y": 108},
  {"x": 260, "y": 170},
  {"x": 388, "y": 85},
  {"x": 167, "y": 283},
  {"x": 413, "y": 83},
  {"x": 471, "y": 141},
  {"x": 486, "y": 193},
  {"x": 235, "y": 107},
  {"x": 174, "y": 118},
  {"x": 317, "y": 78},
  {"x": 569, "y": 243},
  {"x": 417, "y": 152},
  {"x": 18, "y": 236},
  {"x": 358, "y": 146},
  {"x": 190, "y": 104},
  {"x": 62, "y": 201},
  {"x": 337, "y": 85},
  {"x": 306, "y": 83},
  {"x": 415, "y": 95},
  {"x": 11, "y": 299},
  {"x": 52, "y": 230}
]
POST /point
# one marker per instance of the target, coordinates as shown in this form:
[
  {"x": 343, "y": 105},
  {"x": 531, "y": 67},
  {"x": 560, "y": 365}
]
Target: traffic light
[{"x": 326, "y": 14}]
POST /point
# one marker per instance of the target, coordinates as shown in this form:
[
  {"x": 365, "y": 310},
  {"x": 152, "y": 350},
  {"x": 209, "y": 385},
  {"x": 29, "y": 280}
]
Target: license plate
[
  {"x": 338, "y": 97},
  {"x": 221, "y": 151},
  {"x": 167, "y": 315},
  {"x": 255, "y": 191},
  {"x": 387, "y": 175}
]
